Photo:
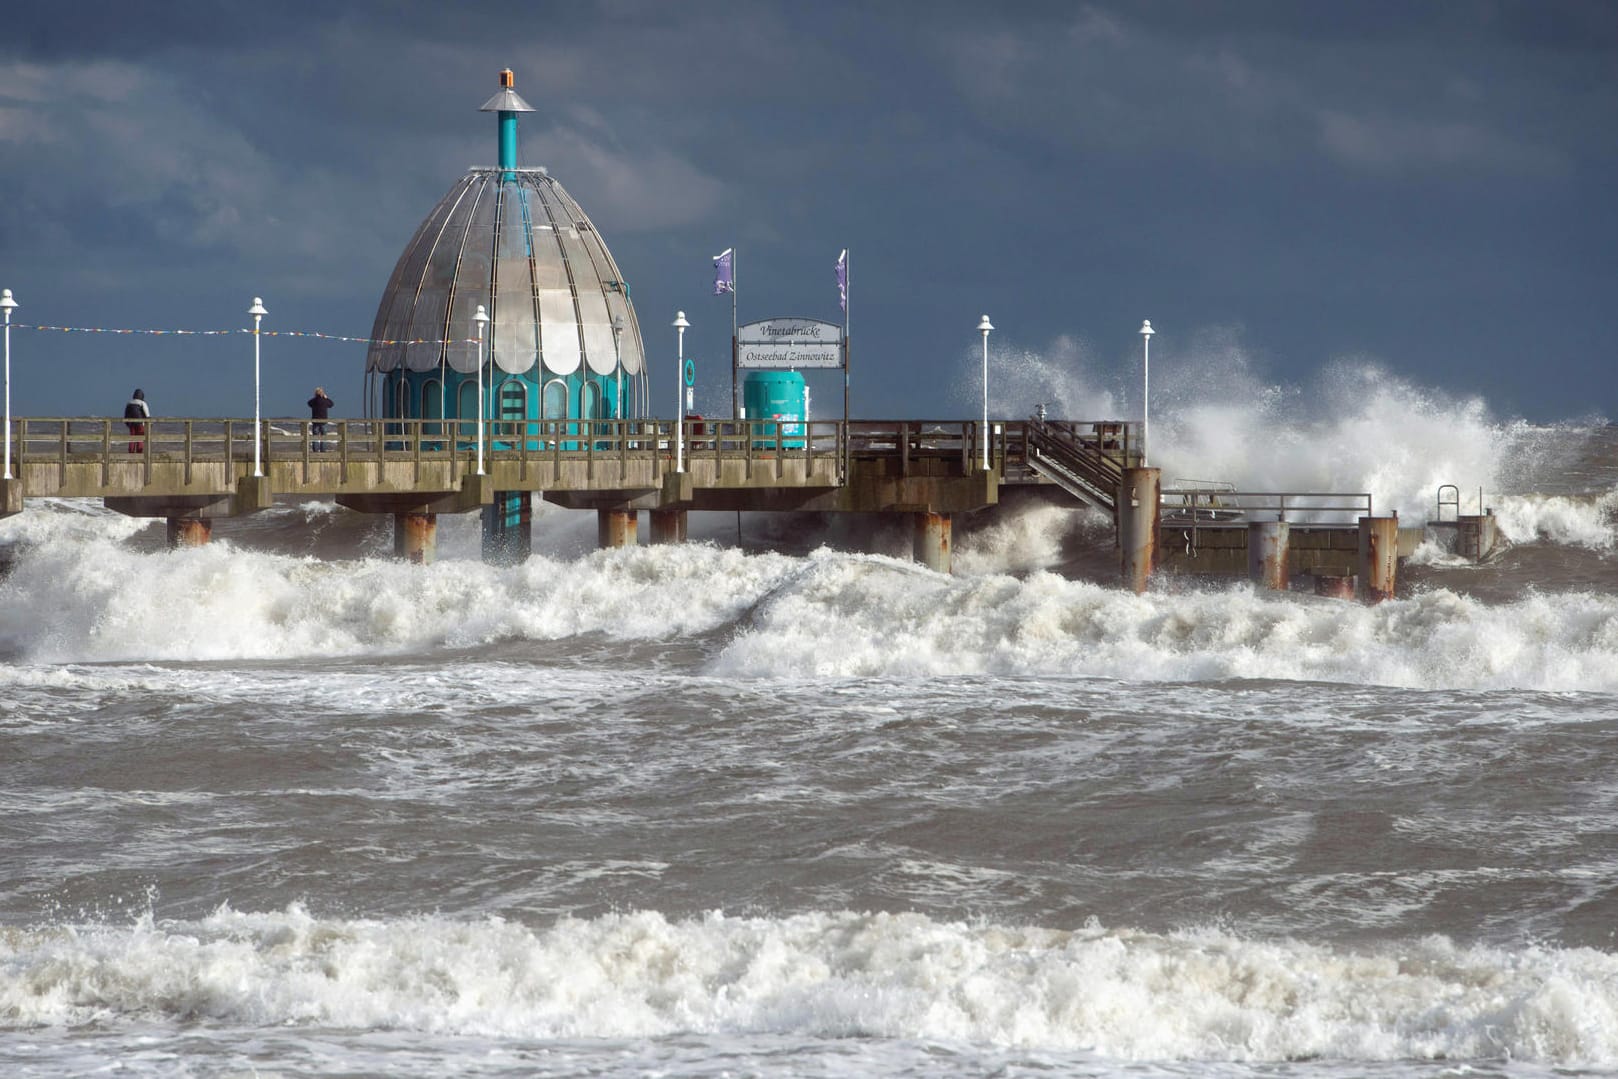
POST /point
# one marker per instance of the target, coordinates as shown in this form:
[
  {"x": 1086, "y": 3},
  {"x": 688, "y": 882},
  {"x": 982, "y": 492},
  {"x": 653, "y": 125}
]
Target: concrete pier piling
[
  {"x": 189, "y": 531},
  {"x": 667, "y": 526},
  {"x": 931, "y": 541},
  {"x": 615, "y": 528},
  {"x": 1378, "y": 558},
  {"x": 1138, "y": 518},
  {"x": 1267, "y": 554},
  {"x": 415, "y": 537}
]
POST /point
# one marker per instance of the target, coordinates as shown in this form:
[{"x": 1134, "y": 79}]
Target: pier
[{"x": 194, "y": 471}]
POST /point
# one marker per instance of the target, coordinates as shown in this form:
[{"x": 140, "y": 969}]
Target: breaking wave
[{"x": 1205, "y": 995}]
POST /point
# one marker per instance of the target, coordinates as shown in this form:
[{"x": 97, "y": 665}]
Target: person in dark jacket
[
  {"x": 319, "y": 409},
  {"x": 135, "y": 416}
]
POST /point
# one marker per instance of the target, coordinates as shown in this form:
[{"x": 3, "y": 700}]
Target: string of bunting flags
[{"x": 264, "y": 333}]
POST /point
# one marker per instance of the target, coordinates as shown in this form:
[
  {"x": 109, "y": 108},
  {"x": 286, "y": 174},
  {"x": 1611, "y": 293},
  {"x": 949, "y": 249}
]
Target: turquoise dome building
[{"x": 562, "y": 341}]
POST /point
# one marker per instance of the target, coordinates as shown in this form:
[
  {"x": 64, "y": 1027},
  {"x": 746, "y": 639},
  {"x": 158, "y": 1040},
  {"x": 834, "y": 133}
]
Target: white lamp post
[
  {"x": 618, "y": 362},
  {"x": 1145, "y": 383},
  {"x": 984, "y": 327},
  {"x": 9, "y": 305},
  {"x": 680, "y": 393},
  {"x": 258, "y": 312},
  {"x": 482, "y": 319}
]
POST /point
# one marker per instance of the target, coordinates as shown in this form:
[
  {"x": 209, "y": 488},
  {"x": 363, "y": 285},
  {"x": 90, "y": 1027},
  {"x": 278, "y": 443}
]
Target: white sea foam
[
  {"x": 1195, "y": 995},
  {"x": 99, "y": 601},
  {"x": 1575, "y": 522},
  {"x": 1029, "y": 539},
  {"x": 890, "y": 618},
  {"x": 832, "y": 614},
  {"x": 1357, "y": 427}
]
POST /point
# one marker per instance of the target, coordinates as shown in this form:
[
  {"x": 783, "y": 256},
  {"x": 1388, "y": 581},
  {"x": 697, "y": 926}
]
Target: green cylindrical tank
[{"x": 776, "y": 397}]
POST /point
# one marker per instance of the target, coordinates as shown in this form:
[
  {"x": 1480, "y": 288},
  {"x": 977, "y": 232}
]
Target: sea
[{"x": 782, "y": 802}]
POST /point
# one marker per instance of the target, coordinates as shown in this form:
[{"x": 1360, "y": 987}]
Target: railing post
[
  {"x": 342, "y": 447},
  {"x": 522, "y": 449},
  {"x": 188, "y": 450}
]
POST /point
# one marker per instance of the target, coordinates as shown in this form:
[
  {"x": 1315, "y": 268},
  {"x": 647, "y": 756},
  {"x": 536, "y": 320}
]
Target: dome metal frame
[{"x": 513, "y": 240}]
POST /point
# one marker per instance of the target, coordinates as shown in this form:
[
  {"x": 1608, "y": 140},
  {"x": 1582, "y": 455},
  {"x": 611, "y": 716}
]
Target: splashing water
[{"x": 1355, "y": 427}]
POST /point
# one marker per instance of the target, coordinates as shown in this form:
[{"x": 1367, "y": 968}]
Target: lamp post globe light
[
  {"x": 481, "y": 317},
  {"x": 1146, "y": 332},
  {"x": 984, "y": 326},
  {"x": 680, "y": 326},
  {"x": 258, "y": 312},
  {"x": 8, "y": 305}
]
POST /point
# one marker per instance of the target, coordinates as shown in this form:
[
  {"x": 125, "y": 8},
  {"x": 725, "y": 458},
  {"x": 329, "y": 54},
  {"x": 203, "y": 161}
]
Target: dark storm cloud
[{"x": 1428, "y": 183}]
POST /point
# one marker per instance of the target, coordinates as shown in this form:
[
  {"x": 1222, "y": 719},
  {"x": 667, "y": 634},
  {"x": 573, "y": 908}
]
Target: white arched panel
[
  {"x": 516, "y": 325},
  {"x": 629, "y": 340},
  {"x": 558, "y": 331},
  {"x": 598, "y": 347}
]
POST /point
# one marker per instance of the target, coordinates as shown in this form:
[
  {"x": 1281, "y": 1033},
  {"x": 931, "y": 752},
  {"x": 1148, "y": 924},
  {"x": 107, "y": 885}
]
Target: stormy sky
[{"x": 1420, "y": 193}]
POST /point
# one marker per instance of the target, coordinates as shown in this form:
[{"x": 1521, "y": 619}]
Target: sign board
[
  {"x": 690, "y": 372},
  {"x": 789, "y": 342}
]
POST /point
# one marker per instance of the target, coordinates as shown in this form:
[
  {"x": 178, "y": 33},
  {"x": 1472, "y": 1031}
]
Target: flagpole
[
  {"x": 847, "y": 286},
  {"x": 735, "y": 392}
]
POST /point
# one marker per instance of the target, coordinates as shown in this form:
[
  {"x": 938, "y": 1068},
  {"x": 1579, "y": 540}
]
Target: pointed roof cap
[{"x": 507, "y": 100}]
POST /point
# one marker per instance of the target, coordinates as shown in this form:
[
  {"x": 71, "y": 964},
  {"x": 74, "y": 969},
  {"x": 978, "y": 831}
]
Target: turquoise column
[{"x": 508, "y": 142}]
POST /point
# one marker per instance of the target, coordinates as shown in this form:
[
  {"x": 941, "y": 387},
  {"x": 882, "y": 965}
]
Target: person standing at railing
[
  {"x": 319, "y": 409},
  {"x": 135, "y": 416}
]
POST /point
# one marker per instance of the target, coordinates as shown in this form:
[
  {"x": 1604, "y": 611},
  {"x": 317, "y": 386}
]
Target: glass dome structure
[{"x": 562, "y": 341}]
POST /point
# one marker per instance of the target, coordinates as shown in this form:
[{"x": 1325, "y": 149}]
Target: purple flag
[
  {"x": 842, "y": 280},
  {"x": 724, "y": 273}
]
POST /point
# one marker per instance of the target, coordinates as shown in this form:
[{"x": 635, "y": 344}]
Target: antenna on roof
[{"x": 508, "y": 104}]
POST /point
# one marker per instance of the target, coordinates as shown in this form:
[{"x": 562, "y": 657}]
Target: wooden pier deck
[{"x": 204, "y": 467}]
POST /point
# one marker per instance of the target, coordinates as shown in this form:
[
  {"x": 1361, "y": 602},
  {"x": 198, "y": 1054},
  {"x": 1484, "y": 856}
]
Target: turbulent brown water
[{"x": 283, "y": 806}]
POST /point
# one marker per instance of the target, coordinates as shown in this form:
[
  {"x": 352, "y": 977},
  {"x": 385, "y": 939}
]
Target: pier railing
[
  {"x": 62, "y": 438},
  {"x": 1202, "y": 502},
  {"x": 75, "y": 456}
]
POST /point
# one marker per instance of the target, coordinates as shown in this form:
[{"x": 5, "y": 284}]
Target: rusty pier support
[
  {"x": 415, "y": 537},
  {"x": 1378, "y": 557},
  {"x": 667, "y": 526},
  {"x": 1138, "y": 513},
  {"x": 1476, "y": 535},
  {"x": 615, "y": 528},
  {"x": 930, "y": 543},
  {"x": 189, "y": 531},
  {"x": 1267, "y": 554}
]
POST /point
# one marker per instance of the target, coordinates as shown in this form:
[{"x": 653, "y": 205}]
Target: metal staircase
[{"x": 1084, "y": 468}]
